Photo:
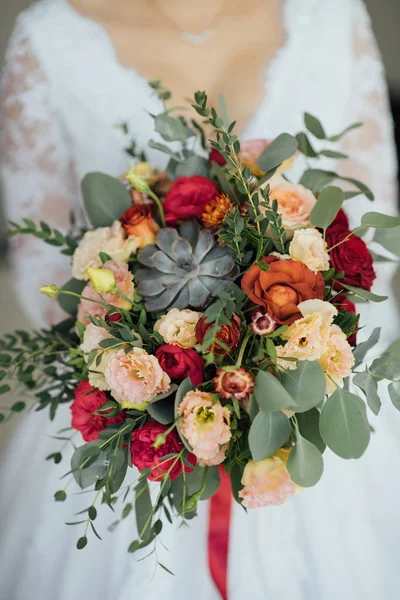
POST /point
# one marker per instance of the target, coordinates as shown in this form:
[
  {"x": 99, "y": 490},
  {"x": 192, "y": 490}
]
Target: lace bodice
[{"x": 64, "y": 93}]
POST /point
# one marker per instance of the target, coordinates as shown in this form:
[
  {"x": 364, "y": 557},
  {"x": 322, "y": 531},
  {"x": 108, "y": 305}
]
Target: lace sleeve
[
  {"x": 37, "y": 175},
  {"x": 371, "y": 148}
]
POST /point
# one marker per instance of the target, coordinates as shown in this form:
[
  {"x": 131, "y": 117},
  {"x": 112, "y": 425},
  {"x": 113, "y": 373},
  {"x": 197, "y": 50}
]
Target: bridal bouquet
[{"x": 212, "y": 327}]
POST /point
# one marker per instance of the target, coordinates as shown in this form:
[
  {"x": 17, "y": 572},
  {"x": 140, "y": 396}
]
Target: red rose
[
  {"x": 216, "y": 156},
  {"x": 341, "y": 220},
  {"x": 343, "y": 303},
  {"x": 351, "y": 257},
  {"x": 87, "y": 400},
  {"x": 229, "y": 335},
  {"x": 180, "y": 363},
  {"x": 146, "y": 456},
  {"x": 188, "y": 198}
]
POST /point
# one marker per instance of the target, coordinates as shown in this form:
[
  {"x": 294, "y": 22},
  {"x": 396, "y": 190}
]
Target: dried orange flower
[{"x": 216, "y": 211}]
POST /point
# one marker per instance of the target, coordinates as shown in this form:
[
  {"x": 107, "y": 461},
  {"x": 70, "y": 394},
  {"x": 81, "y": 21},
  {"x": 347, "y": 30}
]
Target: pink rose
[
  {"x": 205, "y": 426},
  {"x": 135, "y": 378},
  {"x": 295, "y": 203},
  {"x": 267, "y": 482}
]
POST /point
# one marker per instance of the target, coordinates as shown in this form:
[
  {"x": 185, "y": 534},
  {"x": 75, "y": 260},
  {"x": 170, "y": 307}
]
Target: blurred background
[{"x": 385, "y": 18}]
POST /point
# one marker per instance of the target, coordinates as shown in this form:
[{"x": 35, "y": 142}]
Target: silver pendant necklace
[{"x": 196, "y": 39}]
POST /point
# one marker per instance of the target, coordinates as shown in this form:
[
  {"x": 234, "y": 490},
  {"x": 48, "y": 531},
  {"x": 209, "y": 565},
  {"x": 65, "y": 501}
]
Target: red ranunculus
[
  {"x": 216, "y": 156},
  {"x": 188, "y": 198},
  {"x": 87, "y": 400},
  {"x": 180, "y": 363},
  {"x": 229, "y": 335},
  {"x": 343, "y": 303},
  {"x": 351, "y": 257},
  {"x": 146, "y": 456}
]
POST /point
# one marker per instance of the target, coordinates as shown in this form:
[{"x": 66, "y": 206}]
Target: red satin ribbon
[{"x": 218, "y": 534}]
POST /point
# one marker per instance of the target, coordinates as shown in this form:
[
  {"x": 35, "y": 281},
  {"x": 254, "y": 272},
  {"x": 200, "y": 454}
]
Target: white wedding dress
[{"x": 64, "y": 94}]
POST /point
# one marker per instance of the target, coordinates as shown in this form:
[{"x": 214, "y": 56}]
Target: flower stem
[
  {"x": 159, "y": 206},
  {"x": 241, "y": 351}
]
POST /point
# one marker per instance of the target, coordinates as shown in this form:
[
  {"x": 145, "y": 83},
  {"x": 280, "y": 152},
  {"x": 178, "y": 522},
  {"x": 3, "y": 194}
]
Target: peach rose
[
  {"x": 135, "y": 378},
  {"x": 138, "y": 222},
  {"x": 282, "y": 288},
  {"x": 124, "y": 281},
  {"x": 111, "y": 240},
  {"x": 267, "y": 482},
  {"x": 205, "y": 426},
  {"x": 337, "y": 360},
  {"x": 92, "y": 337},
  {"x": 178, "y": 327},
  {"x": 307, "y": 338},
  {"x": 309, "y": 247},
  {"x": 251, "y": 150},
  {"x": 295, "y": 203}
]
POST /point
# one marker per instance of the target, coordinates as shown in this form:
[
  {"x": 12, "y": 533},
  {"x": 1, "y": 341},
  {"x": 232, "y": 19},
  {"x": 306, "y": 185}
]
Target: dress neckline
[{"x": 287, "y": 11}]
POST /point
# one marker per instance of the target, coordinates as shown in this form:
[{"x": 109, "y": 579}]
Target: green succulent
[{"x": 183, "y": 269}]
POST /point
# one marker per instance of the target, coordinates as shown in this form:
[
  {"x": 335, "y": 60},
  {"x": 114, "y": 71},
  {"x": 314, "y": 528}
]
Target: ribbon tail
[{"x": 218, "y": 534}]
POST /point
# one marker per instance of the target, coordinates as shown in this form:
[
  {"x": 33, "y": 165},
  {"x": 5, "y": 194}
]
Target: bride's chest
[{"x": 94, "y": 93}]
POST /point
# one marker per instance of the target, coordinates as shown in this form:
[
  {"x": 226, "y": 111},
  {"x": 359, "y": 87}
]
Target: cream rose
[
  {"x": 178, "y": 327},
  {"x": 309, "y": 247},
  {"x": 267, "y": 482},
  {"x": 111, "y": 240},
  {"x": 135, "y": 378},
  {"x": 307, "y": 338},
  {"x": 337, "y": 360},
  {"x": 205, "y": 426},
  {"x": 295, "y": 203}
]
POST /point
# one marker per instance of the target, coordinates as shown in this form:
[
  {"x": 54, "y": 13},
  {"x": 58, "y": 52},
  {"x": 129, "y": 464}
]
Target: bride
[{"x": 77, "y": 69}]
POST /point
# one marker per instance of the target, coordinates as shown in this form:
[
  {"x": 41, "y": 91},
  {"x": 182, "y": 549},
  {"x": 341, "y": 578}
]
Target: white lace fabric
[{"x": 37, "y": 175}]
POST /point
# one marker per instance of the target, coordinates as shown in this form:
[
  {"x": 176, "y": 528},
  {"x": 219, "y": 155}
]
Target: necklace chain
[{"x": 195, "y": 38}]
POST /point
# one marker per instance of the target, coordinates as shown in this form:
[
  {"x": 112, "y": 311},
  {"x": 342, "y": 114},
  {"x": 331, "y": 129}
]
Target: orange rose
[
  {"x": 280, "y": 289},
  {"x": 138, "y": 221},
  {"x": 228, "y": 334}
]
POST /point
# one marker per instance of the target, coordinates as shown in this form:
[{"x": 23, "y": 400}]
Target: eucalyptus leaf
[
  {"x": 194, "y": 165},
  {"x": 105, "y": 198},
  {"x": 172, "y": 129},
  {"x": 306, "y": 385},
  {"x": 326, "y": 208},
  {"x": 363, "y": 347},
  {"x": 386, "y": 366},
  {"x": 314, "y": 126},
  {"x": 308, "y": 423},
  {"x": 162, "y": 411},
  {"x": 268, "y": 432},
  {"x": 380, "y": 221},
  {"x": 316, "y": 179},
  {"x": 344, "y": 425},
  {"x": 389, "y": 239},
  {"x": 369, "y": 385},
  {"x": 305, "y": 145},
  {"x": 371, "y": 297},
  {"x": 70, "y": 303},
  {"x": 305, "y": 463},
  {"x": 182, "y": 390},
  {"x": 282, "y": 148},
  {"x": 119, "y": 466},
  {"x": 335, "y": 138},
  {"x": 143, "y": 510},
  {"x": 270, "y": 393},
  {"x": 394, "y": 393},
  {"x": 194, "y": 481},
  {"x": 89, "y": 463}
]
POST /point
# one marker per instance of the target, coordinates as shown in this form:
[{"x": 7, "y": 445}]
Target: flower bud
[
  {"x": 50, "y": 290},
  {"x": 102, "y": 280},
  {"x": 137, "y": 181},
  {"x": 262, "y": 323}
]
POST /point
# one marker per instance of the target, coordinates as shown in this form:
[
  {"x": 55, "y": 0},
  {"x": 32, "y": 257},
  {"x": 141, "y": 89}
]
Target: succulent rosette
[{"x": 210, "y": 326}]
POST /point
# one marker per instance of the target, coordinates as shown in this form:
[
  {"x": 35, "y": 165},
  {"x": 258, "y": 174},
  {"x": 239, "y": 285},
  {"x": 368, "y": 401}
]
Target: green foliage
[
  {"x": 105, "y": 198},
  {"x": 344, "y": 425},
  {"x": 282, "y": 148},
  {"x": 70, "y": 303},
  {"x": 306, "y": 385},
  {"x": 308, "y": 424},
  {"x": 270, "y": 394},
  {"x": 66, "y": 243},
  {"x": 305, "y": 463},
  {"x": 329, "y": 202},
  {"x": 268, "y": 432},
  {"x": 389, "y": 239},
  {"x": 380, "y": 221},
  {"x": 369, "y": 385}
]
